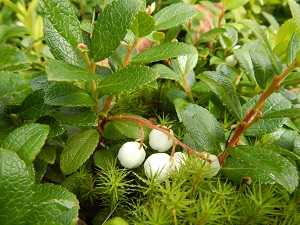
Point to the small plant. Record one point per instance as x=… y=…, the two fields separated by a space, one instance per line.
x=227 y=85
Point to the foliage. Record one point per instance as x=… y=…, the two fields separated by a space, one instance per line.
x=224 y=76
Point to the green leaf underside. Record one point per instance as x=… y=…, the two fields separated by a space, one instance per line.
x=174 y=15
x=34 y=106
x=112 y=26
x=143 y=24
x=225 y=92
x=12 y=59
x=67 y=94
x=276 y=102
x=261 y=165
x=167 y=73
x=127 y=79
x=27 y=141
x=78 y=116
x=58 y=70
x=187 y=63
x=61 y=15
x=293 y=48
x=116 y=130
x=164 y=51
x=60 y=47
x=78 y=149
x=24 y=202
x=203 y=128
x=261 y=35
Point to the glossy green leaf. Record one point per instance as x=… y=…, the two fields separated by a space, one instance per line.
x=56 y=127
x=293 y=48
x=262 y=36
x=33 y=106
x=286 y=31
x=16 y=179
x=224 y=91
x=236 y=4
x=58 y=70
x=13 y=84
x=122 y=129
x=187 y=63
x=48 y=154
x=27 y=141
x=261 y=165
x=24 y=202
x=174 y=15
x=127 y=79
x=290 y=112
x=164 y=51
x=167 y=73
x=292 y=79
x=295 y=10
x=112 y=26
x=60 y=47
x=78 y=116
x=276 y=102
x=245 y=62
x=7 y=32
x=143 y=24
x=78 y=149
x=103 y=158
x=282 y=138
x=12 y=59
x=204 y=129
x=67 y=94
x=229 y=38
x=61 y=14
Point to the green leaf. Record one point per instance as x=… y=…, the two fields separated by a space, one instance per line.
x=56 y=127
x=167 y=73
x=143 y=24
x=61 y=71
x=293 y=48
x=286 y=31
x=78 y=149
x=292 y=79
x=290 y=112
x=13 y=84
x=261 y=35
x=245 y=62
x=67 y=94
x=224 y=91
x=187 y=63
x=103 y=158
x=7 y=32
x=48 y=155
x=60 y=47
x=229 y=38
x=12 y=59
x=112 y=26
x=236 y=4
x=27 y=141
x=61 y=14
x=204 y=129
x=295 y=10
x=24 y=202
x=118 y=130
x=127 y=79
x=16 y=179
x=276 y=102
x=33 y=106
x=174 y=15
x=261 y=165
x=164 y=51
x=78 y=116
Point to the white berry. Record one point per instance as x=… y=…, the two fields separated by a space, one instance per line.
x=160 y=141
x=157 y=165
x=179 y=159
x=210 y=169
x=131 y=155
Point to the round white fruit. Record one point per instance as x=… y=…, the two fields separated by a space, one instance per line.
x=210 y=169
x=179 y=159
x=130 y=155
x=157 y=165
x=160 y=141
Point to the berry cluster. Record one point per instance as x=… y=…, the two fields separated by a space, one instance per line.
x=160 y=165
